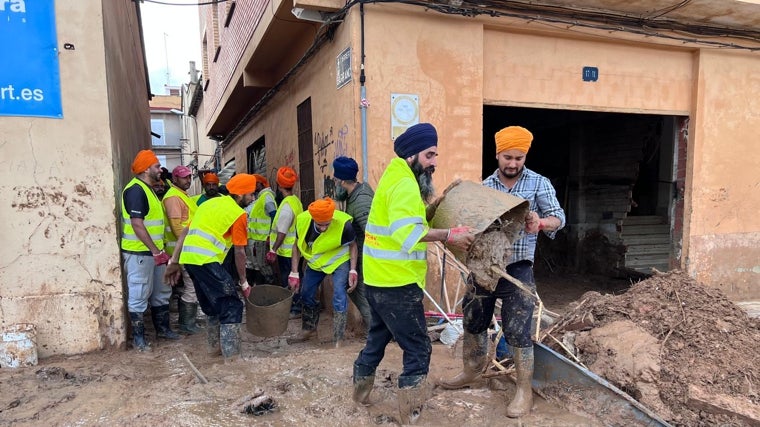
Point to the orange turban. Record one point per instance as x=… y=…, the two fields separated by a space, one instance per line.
x=210 y=178
x=260 y=179
x=286 y=177
x=241 y=183
x=513 y=137
x=143 y=160
x=322 y=210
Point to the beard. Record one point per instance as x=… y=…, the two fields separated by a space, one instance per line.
x=212 y=191
x=341 y=194
x=424 y=179
x=509 y=174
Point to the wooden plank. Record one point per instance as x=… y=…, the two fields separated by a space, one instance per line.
x=663 y=248
x=721 y=404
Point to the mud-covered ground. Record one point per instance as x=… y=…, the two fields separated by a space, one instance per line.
x=679 y=347
x=310 y=384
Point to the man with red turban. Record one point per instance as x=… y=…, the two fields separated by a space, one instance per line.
x=142 y=249
x=546 y=214
x=326 y=240
x=282 y=237
x=218 y=225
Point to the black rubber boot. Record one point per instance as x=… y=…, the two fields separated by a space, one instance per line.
x=309 y=320
x=339 y=328
x=160 y=315
x=229 y=339
x=187 y=313
x=363 y=387
x=138 y=332
x=212 y=335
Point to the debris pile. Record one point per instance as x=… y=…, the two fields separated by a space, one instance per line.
x=679 y=347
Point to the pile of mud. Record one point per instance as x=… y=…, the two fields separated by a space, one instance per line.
x=679 y=347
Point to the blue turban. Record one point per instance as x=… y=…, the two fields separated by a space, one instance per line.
x=345 y=168
x=417 y=138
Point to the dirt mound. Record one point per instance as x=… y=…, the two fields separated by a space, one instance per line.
x=679 y=347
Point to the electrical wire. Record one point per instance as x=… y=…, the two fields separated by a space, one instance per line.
x=166 y=3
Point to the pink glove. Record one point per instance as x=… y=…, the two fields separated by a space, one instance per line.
x=460 y=237
x=271 y=257
x=294 y=281
x=246 y=289
x=353 y=280
x=161 y=258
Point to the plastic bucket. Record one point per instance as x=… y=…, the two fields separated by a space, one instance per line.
x=18 y=346
x=268 y=310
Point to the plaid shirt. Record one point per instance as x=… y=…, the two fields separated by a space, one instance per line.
x=538 y=191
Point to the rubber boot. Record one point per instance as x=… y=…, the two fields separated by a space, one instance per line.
x=212 y=336
x=160 y=315
x=474 y=360
x=522 y=403
x=363 y=387
x=187 y=313
x=411 y=399
x=229 y=338
x=138 y=332
x=339 y=328
x=309 y=320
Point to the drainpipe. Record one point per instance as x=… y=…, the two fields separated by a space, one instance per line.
x=363 y=104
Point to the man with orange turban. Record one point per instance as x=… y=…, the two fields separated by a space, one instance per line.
x=260 y=215
x=218 y=225
x=282 y=237
x=546 y=214
x=210 y=184
x=325 y=238
x=142 y=249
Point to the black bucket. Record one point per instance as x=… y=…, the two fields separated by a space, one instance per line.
x=268 y=310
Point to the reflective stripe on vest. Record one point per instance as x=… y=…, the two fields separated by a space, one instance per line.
x=390 y=261
x=259 y=223
x=170 y=240
x=286 y=249
x=326 y=253
x=153 y=221
x=205 y=242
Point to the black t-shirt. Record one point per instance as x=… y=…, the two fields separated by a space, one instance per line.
x=135 y=202
x=348 y=234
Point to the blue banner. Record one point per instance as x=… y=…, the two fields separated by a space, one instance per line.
x=30 y=83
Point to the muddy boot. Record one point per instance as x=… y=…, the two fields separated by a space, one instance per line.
x=474 y=360
x=229 y=338
x=411 y=398
x=309 y=320
x=138 y=332
x=187 y=313
x=160 y=315
x=339 y=328
x=523 y=401
x=212 y=335
x=363 y=387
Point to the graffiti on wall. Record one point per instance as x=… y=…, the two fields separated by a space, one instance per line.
x=322 y=143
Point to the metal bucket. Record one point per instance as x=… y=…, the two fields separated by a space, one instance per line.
x=267 y=310
x=18 y=346
x=498 y=218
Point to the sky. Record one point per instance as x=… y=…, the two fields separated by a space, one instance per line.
x=172 y=40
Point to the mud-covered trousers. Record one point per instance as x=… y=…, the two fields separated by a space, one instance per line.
x=397 y=313
x=216 y=292
x=516 y=307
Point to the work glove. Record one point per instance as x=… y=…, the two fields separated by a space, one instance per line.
x=246 y=289
x=353 y=280
x=161 y=258
x=460 y=237
x=294 y=281
x=271 y=257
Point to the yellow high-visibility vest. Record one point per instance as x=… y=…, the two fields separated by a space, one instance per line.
x=205 y=242
x=286 y=249
x=170 y=240
x=326 y=253
x=259 y=223
x=393 y=255
x=154 y=221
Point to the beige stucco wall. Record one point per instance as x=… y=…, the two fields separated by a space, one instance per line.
x=724 y=240
x=60 y=257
